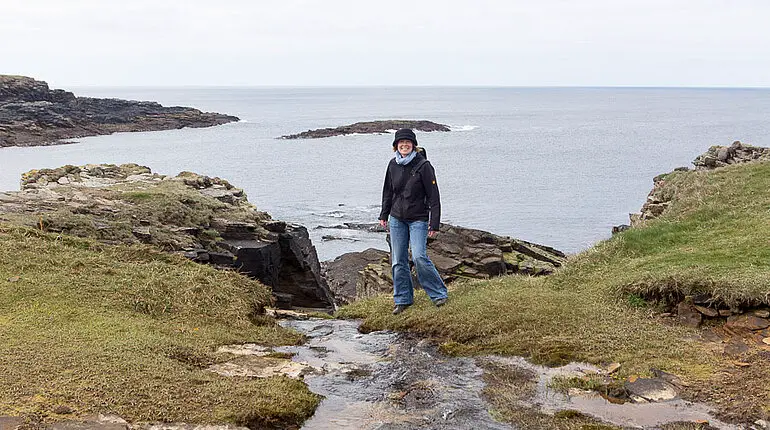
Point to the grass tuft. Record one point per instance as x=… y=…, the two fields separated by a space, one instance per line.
x=130 y=330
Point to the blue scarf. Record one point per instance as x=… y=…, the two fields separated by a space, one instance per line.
x=405 y=160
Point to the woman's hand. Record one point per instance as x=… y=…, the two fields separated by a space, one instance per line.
x=384 y=224
x=431 y=233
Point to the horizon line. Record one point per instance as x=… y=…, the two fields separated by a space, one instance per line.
x=354 y=86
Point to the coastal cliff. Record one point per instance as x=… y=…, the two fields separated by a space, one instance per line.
x=31 y=114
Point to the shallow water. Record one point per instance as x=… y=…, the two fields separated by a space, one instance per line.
x=386 y=380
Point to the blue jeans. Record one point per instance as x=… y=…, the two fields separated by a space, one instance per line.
x=415 y=234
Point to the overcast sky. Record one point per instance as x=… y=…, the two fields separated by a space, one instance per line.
x=394 y=42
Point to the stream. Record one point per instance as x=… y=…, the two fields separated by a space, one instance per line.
x=385 y=380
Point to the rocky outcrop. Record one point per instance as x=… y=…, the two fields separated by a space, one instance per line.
x=205 y=219
x=717 y=156
x=369 y=127
x=457 y=253
x=31 y=114
x=720 y=156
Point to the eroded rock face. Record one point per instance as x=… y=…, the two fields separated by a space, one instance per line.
x=369 y=127
x=458 y=252
x=31 y=114
x=206 y=219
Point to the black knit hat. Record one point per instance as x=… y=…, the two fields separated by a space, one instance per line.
x=405 y=133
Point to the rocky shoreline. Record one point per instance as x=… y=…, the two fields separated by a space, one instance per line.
x=31 y=114
x=369 y=127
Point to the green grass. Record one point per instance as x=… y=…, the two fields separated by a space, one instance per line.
x=129 y=330
x=713 y=239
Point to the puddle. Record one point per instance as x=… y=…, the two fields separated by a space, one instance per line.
x=634 y=415
x=385 y=380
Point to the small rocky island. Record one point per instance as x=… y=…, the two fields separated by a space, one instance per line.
x=31 y=114
x=369 y=127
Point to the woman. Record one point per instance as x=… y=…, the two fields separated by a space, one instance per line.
x=411 y=210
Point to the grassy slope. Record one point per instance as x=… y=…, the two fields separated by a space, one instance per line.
x=128 y=330
x=713 y=239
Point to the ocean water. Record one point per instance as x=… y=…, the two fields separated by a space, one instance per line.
x=557 y=166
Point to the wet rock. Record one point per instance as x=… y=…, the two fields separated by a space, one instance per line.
x=321 y=330
x=747 y=322
x=300 y=273
x=687 y=314
x=369 y=127
x=651 y=390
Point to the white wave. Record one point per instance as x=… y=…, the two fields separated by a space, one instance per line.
x=331 y=214
x=463 y=127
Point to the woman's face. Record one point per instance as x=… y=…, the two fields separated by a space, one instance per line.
x=404 y=147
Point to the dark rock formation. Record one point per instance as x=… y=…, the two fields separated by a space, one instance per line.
x=31 y=114
x=205 y=219
x=369 y=127
x=457 y=253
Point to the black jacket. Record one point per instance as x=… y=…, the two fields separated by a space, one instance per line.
x=411 y=194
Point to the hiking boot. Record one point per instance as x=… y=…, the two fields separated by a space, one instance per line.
x=399 y=308
x=440 y=302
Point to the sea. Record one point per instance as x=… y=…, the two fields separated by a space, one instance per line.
x=555 y=166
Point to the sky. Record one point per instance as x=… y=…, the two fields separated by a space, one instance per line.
x=693 y=43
